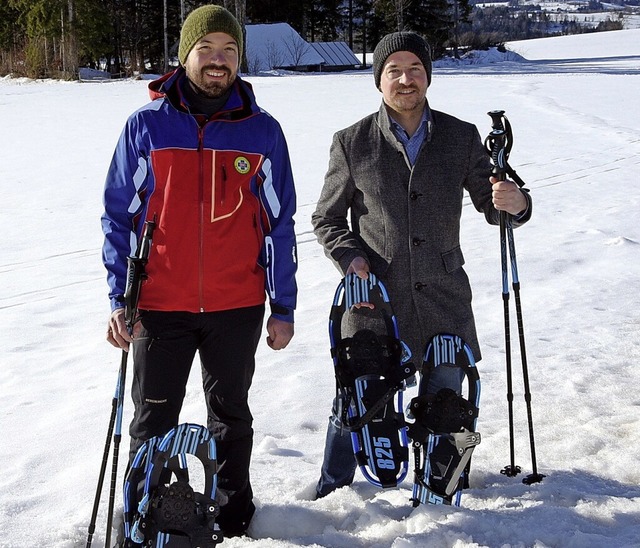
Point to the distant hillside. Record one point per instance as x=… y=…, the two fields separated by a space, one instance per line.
x=623 y=43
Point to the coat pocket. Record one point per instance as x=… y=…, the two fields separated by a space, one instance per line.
x=453 y=259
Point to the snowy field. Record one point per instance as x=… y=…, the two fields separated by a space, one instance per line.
x=576 y=119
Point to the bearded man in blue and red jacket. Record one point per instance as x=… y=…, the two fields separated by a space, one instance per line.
x=213 y=169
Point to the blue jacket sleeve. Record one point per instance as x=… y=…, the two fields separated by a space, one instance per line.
x=126 y=178
x=279 y=256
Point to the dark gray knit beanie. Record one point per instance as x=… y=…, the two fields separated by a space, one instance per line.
x=202 y=21
x=401 y=41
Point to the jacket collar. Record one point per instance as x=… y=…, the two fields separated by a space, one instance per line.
x=241 y=103
x=385 y=124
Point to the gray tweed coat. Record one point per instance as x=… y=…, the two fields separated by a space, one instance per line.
x=406 y=222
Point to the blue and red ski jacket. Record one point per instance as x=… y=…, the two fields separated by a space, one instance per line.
x=222 y=193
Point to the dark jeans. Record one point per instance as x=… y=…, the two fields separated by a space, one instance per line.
x=163 y=354
x=339 y=465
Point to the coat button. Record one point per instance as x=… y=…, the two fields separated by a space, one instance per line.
x=414 y=195
x=417 y=241
x=419 y=286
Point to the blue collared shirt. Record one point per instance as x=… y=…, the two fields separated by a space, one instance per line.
x=412 y=144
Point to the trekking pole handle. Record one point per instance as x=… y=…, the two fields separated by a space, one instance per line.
x=147 y=238
x=136 y=272
x=501 y=135
x=497 y=139
x=497 y=119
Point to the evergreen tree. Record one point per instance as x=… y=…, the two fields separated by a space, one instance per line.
x=278 y=11
x=323 y=18
x=12 y=37
x=432 y=19
x=41 y=19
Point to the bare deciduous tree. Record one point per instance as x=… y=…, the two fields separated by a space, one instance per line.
x=274 y=54
x=296 y=48
x=239 y=9
x=401 y=6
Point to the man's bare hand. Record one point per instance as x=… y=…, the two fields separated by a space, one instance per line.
x=279 y=333
x=117 y=333
x=507 y=196
x=360 y=267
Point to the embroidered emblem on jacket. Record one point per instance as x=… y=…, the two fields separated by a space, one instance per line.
x=242 y=165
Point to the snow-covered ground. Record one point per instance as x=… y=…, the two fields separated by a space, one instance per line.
x=576 y=120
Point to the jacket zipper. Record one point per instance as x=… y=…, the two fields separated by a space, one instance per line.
x=201 y=220
x=223 y=185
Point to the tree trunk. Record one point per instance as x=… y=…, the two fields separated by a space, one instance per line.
x=68 y=47
x=239 y=9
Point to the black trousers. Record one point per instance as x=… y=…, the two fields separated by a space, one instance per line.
x=162 y=357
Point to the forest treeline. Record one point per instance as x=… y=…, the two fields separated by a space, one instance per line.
x=54 y=38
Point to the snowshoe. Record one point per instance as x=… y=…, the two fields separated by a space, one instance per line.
x=371 y=372
x=443 y=432
x=159 y=513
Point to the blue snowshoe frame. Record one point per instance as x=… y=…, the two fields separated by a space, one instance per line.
x=152 y=466
x=445 y=350
x=372 y=407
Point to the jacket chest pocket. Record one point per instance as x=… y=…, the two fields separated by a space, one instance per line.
x=230 y=182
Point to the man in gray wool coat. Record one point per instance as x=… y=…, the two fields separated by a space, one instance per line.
x=391 y=205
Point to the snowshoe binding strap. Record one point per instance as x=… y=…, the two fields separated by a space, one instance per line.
x=441 y=412
x=367 y=353
x=186 y=515
x=449 y=419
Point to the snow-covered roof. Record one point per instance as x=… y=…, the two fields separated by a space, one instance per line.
x=337 y=54
x=278 y=45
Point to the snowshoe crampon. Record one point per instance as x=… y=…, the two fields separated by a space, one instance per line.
x=371 y=371
x=159 y=513
x=443 y=432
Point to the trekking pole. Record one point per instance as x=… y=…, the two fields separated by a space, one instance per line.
x=499 y=145
x=496 y=146
x=103 y=467
x=119 y=399
x=534 y=477
x=135 y=276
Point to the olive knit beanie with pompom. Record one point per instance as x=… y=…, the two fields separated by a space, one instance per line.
x=202 y=21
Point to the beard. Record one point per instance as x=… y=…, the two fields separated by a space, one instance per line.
x=208 y=88
x=406 y=103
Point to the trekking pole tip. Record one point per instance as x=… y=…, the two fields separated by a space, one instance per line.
x=533 y=478
x=511 y=470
